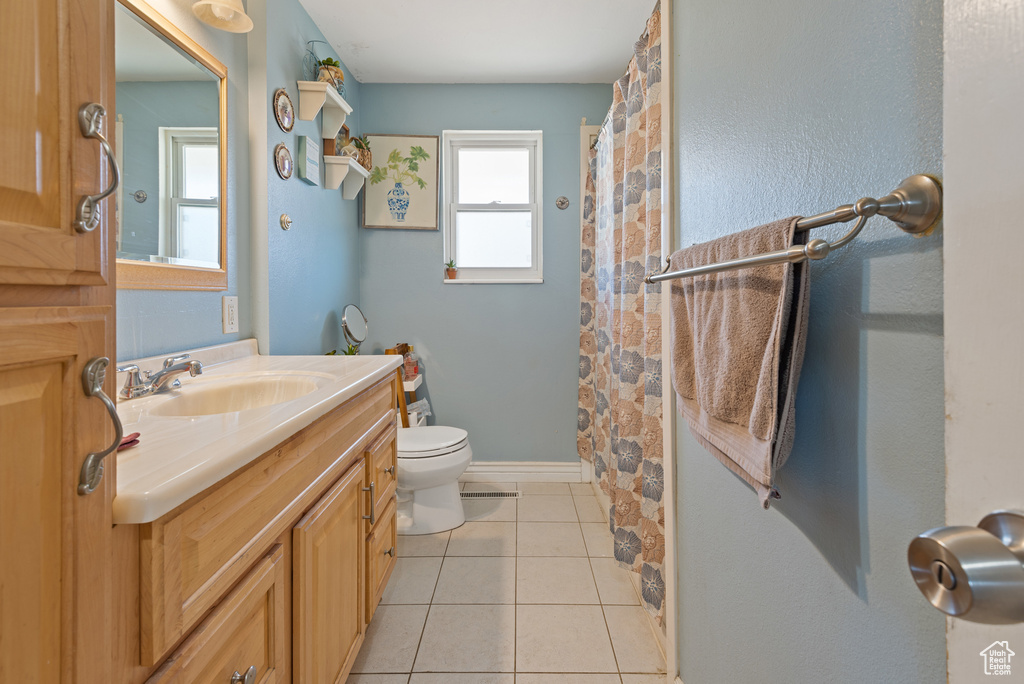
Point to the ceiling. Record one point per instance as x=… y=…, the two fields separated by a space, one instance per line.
x=141 y=55
x=482 y=41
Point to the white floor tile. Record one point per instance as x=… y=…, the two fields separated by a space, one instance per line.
x=488 y=580
x=634 y=644
x=613 y=582
x=588 y=509
x=545 y=488
x=600 y=543
x=562 y=639
x=643 y=679
x=555 y=580
x=423 y=544
x=462 y=678
x=391 y=639
x=493 y=510
x=468 y=639
x=483 y=539
x=490 y=487
x=536 y=508
x=413 y=580
x=581 y=489
x=377 y=679
x=550 y=539
x=568 y=678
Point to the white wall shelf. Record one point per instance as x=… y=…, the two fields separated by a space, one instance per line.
x=411 y=385
x=346 y=173
x=317 y=95
x=354 y=181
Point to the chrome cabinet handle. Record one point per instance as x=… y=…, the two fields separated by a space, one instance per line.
x=90 y=116
x=373 y=503
x=390 y=470
x=390 y=552
x=93 y=374
x=248 y=678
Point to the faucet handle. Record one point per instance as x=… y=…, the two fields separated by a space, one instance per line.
x=133 y=384
x=171 y=360
x=195 y=367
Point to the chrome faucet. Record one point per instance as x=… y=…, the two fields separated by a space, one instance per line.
x=163 y=380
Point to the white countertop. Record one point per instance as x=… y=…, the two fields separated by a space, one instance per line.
x=179 y=457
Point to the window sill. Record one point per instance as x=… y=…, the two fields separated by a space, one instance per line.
x=491 y=281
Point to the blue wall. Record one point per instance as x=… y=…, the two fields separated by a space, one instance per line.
x=795 y=107
x=500 y=360
x=155 y=321
x=145 y=107
x=314 y=267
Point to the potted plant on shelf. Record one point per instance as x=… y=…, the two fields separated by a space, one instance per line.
x=329 y=71
x=450 y=271
x=364 y=156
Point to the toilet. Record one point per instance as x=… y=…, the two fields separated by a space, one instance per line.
x=430 y=461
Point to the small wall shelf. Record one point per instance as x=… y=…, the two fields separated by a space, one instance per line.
x=346 y=173
x=411 y=385
x=317 y=95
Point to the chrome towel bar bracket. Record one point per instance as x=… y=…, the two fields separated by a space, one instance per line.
x=915 y=206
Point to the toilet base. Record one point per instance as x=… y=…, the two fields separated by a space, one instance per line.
x=431 y=510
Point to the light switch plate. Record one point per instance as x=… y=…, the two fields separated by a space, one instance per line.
x=229 y=314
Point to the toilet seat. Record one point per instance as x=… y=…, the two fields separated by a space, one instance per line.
x=433 y=440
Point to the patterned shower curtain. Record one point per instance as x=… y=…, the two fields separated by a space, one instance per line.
x=620 y=417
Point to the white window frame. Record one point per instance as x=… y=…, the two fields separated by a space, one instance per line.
x=172 y=183
x=452 y=142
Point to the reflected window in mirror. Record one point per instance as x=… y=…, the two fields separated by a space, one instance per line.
x=170 y=140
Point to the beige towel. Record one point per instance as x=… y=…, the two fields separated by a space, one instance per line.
x=737 y=346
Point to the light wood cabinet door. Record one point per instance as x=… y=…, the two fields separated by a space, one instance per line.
x=57 y=55
x=328 y=548
x=381 y=550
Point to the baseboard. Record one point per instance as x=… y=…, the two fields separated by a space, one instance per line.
x=524 y=471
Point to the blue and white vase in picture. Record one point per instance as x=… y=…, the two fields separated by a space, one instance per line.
x=398 y=202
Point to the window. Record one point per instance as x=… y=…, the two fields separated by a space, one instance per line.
x=189 y=204
x=492 y=200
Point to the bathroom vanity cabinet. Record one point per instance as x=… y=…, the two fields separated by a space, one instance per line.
x=278 y=567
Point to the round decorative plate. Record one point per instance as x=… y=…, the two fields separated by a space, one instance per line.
x=283 y=161
x=284 y=111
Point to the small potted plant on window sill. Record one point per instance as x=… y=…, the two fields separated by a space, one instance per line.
x=451 y=273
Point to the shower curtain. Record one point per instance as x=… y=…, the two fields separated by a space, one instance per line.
x=620 y=416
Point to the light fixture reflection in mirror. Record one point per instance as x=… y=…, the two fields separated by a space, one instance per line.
x=170 y=130
x=354 y=324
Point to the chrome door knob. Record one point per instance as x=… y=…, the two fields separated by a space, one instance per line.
x=248 y=678
x=973 y=573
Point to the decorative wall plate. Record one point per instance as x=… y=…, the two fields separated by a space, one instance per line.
x=283 y=161
x=284 y=111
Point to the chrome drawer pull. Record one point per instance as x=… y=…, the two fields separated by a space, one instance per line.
x=90 y=116
x=93 y=374
x=390 y=470
x=248 y=678
x=373 y=503
x=390 y=552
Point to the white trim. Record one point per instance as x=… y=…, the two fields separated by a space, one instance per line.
x=522 y=471
x=533 y=141
x=494 y=281
x=668 y=403
x=259 y=158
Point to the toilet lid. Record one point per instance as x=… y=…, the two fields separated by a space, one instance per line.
x=432 y=440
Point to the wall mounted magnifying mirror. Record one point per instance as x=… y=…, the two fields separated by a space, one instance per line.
x=354 y=324
x=170 y=133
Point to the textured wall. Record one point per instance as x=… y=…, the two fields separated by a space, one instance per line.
x=795 y=107
x=501 y=360
x=155 y=321
x=313 y=269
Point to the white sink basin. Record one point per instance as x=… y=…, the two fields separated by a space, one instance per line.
x=230 y=394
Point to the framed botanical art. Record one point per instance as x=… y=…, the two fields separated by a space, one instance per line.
x=402 y=189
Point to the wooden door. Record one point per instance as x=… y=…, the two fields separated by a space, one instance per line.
x=328 y=579
x=56 y=313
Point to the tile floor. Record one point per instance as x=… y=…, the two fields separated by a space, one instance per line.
x=526 y=592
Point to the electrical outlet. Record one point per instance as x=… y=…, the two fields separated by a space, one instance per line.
x=229 y=314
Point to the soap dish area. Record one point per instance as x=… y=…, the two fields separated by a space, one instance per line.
x=346 y=173
x=317 y=95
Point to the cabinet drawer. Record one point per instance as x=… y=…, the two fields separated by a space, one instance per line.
x=381 y=470
x=248 y=629
x=382 y=547
x=194 y=554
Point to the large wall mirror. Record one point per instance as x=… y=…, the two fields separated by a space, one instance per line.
x=170 y=133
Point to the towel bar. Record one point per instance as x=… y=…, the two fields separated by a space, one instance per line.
x=915 y=206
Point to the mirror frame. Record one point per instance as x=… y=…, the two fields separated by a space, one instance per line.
x=143 y=275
